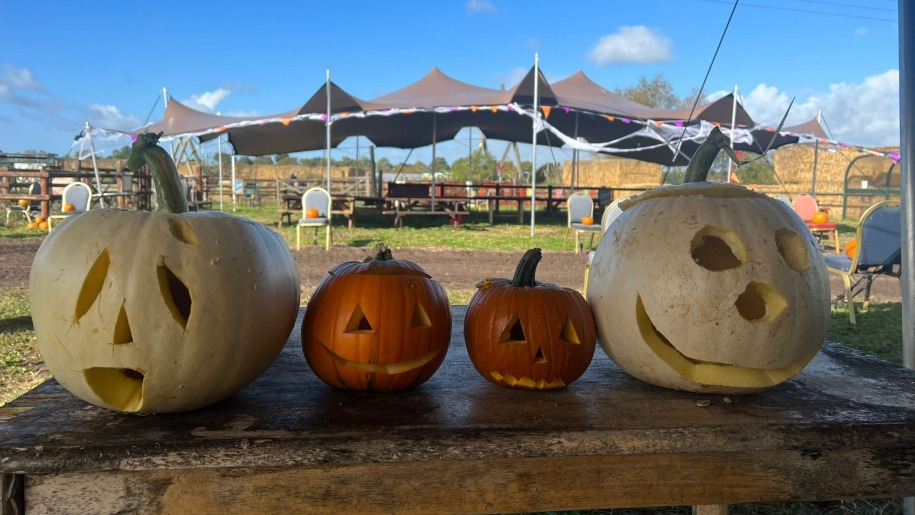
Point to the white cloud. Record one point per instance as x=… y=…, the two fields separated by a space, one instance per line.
x=865 y=113
x=110 y=117
x=207 y=101
x=20 y=78
x=479 y=7
x=637 y=44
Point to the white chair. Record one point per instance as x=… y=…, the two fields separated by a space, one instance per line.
x=318 y=199
x=579 y=206
x=32 y=209
x=77 y=194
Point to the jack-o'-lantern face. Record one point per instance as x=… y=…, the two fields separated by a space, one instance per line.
x=710 y=288
x=377 y=326
x=143 y=312
x=537 y=336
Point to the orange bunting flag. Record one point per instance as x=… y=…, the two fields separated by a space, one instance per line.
x=718 y=124
x=658 y=124
x=608 y=117
x=546 y=111
x=474 y=108
x=408 y=111
x=734 y=179
x=285 y=121
x=494 y=109
x=344 y=115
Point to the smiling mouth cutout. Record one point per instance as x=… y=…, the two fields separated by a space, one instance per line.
x=527 y=382
x=707 y=372
x=383 y=368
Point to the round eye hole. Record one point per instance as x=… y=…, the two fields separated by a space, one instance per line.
x=717 y=249
x=793 y=250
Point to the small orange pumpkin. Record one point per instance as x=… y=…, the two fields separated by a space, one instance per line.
x=851 y=248
x=381 y=325
x=69 y=207
x=32 y=225
x=42 y=225
x=587 y=220
x=40 y=219
x=820 y=217
x=521 y=333
x=23 y=203
x=311 y=213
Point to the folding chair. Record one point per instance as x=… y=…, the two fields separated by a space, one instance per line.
x=317 y=199
x=579 y=206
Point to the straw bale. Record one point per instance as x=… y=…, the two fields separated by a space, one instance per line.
x=613 y=173
x=794 y=167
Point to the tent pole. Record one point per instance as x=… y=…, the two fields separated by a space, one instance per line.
x=327 y=125
x=573 y=180
x=907 y=158
x=232 y=187
x=219 y=153
x=534 y=142
x=98 y=181
x=432 y=165
x=816 y=152
x=733 y=129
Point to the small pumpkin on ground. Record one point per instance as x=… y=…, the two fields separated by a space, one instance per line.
x=709 y=287
x=380 y=325
x=526 y=334
x=166 y=311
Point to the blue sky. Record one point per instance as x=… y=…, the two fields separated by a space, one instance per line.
x=106 y=62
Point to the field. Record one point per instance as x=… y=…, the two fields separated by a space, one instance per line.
x=459 y=258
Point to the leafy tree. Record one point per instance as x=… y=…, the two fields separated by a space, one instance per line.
x=121 y=153
x=286 y=159
x=263 y=160
x=479 y=166
x=655 y=92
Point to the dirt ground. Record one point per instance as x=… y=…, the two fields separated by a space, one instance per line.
x=456 y=269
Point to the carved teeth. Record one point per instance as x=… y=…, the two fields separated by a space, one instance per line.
x=527 y=382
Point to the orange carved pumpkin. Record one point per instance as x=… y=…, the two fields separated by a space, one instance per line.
x=820 y=217
x=380 y=325
x=525 y=334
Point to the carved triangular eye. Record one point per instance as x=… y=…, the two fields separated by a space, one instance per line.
x=122 y=332
x=568 y=333
x=420 y=318
x=513 y=333
x=539 y=357
x=358 y=323
x=92 y=284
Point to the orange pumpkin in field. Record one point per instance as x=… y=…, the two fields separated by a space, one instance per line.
x=32 y=225
x=587 y=220
x=40 y=219
x=23 y=203
x=851 y=248
x=69 y=207
x=311 y=213
x=820 y=217
x=43 y=225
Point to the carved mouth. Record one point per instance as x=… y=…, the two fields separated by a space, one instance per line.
x=527 y=382
x=384 y=368
x=707 y=372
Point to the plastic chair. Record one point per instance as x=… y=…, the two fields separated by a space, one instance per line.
x=319 y=199
x=579 y=206
x=879 y=252
x=79 y=195
x=33 y=209
x=806 y=206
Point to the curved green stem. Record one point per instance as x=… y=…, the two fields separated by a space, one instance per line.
x=705 y=155
x=146 y=150
x=526 y=269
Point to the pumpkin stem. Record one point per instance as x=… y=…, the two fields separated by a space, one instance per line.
x=146 y=150
x=380 y=253
x=705 y=155
x=527 y=267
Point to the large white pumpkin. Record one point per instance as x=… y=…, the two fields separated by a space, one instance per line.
x=709 y=288
x=148 y=312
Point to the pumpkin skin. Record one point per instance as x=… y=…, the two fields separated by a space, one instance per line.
x=153 y=312
x=686 y=295
x=538 y=337
x=820 y=217
x=381 y=325
x=587 y=220
x=311 y=213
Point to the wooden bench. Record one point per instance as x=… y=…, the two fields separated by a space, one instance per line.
x=415 y=199
x=842 y=429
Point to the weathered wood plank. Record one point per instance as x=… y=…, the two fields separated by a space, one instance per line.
x=11 y=495
x=843 y=428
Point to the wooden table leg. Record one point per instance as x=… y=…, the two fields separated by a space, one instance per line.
x=12 y=494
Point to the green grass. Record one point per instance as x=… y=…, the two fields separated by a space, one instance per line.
x=878 y=332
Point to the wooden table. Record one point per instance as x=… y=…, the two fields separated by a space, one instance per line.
x=844 y=428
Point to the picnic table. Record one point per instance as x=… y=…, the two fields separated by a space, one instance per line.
x=844 y=428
